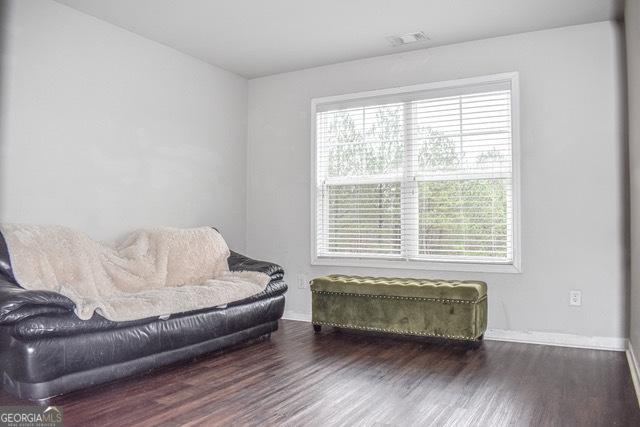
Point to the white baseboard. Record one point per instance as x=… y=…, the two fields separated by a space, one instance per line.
x=542 y=338
x=301 y=317
x=556 y=339
x=634 y=367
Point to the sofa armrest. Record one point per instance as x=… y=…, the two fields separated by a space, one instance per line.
x=239 y=262
x=17 y=303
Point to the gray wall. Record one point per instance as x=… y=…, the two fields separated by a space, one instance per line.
x=573 y=191
x=105 y=131
x=632 y=27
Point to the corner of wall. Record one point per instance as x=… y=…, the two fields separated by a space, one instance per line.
x=634 y=368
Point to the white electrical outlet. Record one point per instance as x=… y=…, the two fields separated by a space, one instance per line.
x=302 y=281
x=575 y=298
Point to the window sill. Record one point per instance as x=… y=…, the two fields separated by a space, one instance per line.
x=477 y=267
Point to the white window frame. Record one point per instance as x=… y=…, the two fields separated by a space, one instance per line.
x=489 y=266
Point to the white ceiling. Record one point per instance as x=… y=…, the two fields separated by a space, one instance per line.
x=261 y=37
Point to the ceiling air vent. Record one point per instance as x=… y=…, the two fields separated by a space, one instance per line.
x=407 y=39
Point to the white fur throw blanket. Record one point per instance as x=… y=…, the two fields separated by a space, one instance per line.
x=150 y=273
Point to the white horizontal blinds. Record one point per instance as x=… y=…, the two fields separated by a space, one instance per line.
x=359 y=164
x=423 y=175
x=463 y=164
x=363 y=219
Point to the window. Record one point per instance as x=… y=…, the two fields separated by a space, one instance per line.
x=420 y=176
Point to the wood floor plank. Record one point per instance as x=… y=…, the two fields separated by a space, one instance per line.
x=299 y=378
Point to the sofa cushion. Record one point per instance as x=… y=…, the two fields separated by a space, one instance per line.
x=401 y=287
x=67 y=323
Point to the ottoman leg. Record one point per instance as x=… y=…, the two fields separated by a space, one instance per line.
x=317 y=328
x=477 y=343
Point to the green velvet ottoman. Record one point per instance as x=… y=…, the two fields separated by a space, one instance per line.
x=435 y=308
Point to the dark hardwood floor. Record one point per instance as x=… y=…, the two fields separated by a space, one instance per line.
x=297 y=378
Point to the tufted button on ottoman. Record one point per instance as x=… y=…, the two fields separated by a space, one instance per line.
x=437 y=308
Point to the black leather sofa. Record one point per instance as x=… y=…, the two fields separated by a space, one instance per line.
x=45 y=350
